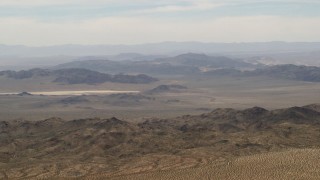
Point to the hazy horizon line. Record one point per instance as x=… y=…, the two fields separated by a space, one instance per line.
x=159 y=42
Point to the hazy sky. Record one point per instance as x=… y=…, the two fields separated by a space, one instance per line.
x=50 y=22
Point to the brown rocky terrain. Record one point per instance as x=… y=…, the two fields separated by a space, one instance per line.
x=113 y=148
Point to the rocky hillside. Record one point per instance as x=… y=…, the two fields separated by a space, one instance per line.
x=78 y=76
x=112 y=147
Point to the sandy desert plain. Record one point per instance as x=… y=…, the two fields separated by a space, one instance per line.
x=203 y=94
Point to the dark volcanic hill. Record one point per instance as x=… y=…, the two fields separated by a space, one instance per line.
x=289 y=71
x=286 y=71
x=111 y=147
x=78 y=76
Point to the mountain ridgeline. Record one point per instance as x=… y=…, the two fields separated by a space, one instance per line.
x=160 y=48
x=289 y=71
x=190 y=63
x=78 y=76
x=286 y=71
x=200 y=64
x=97 y=71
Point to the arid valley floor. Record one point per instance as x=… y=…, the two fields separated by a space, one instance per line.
x=226 y=124
x=200 y=95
